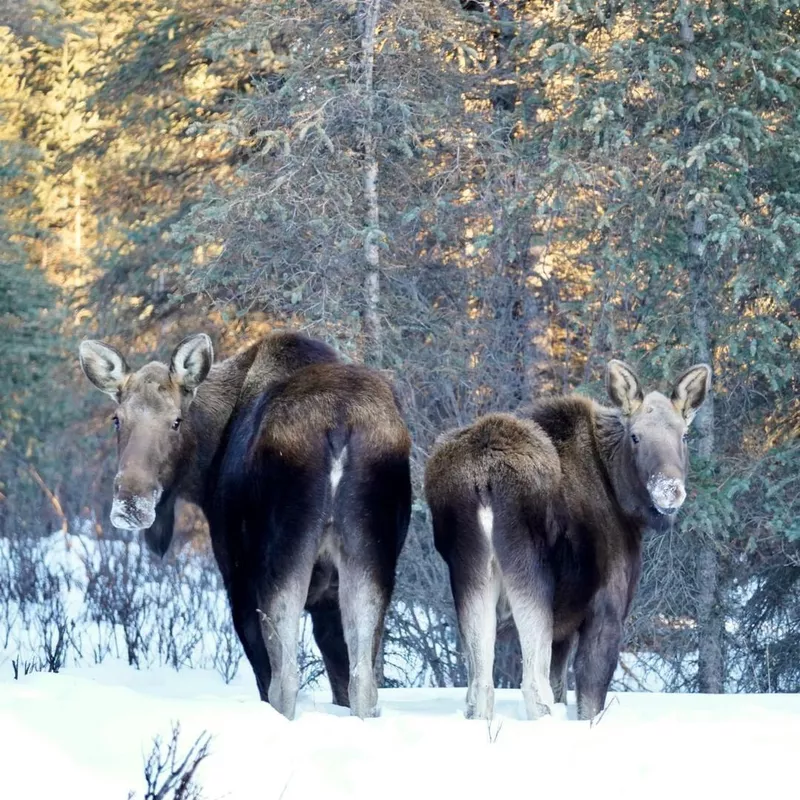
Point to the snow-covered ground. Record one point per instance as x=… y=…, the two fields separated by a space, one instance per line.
x=83 y=733
x=140 y=646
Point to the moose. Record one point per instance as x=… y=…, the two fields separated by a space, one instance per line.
x=300 y=462
x=540 y=516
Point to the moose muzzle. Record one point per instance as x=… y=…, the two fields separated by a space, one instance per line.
x=667 y=493
x=135 y=501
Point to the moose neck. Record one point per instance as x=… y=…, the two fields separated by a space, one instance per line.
x=208 y=416
x=612 y=441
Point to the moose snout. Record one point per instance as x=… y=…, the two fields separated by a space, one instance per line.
x=667 y=493
x=135 y=501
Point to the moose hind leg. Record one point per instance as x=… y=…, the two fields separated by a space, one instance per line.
x=476 y=605
x=531 y=606
x=281 y=609
x=363 y=602
x=372 y=511
x=520 y=543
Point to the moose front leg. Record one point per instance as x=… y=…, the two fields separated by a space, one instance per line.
x=559 y=665
x=326 y=619
x=597 y=655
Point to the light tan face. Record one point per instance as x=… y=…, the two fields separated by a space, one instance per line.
x=657 y=434
x=656 y=430
x=151 y=405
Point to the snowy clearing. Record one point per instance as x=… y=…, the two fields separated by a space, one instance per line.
x=95 y=610
x=83 y=733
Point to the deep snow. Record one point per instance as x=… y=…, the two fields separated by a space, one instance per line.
x=83 y=733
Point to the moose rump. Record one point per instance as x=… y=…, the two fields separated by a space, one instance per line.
x=313 y=492
x=492 y=489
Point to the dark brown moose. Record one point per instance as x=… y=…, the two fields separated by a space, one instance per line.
x=301 y=465
x=540 y=518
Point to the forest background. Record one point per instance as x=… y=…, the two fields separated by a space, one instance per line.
x=490 y=199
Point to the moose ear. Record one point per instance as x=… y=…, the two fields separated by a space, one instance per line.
x=191 y=361
x=691 y=390
x=104 y=366
x=623 y=386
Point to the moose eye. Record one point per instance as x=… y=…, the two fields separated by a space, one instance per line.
x=634 y=438
x=115 y=420
x=176 y=424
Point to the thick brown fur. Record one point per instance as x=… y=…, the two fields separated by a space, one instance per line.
x=301 y=465
x=540 y=516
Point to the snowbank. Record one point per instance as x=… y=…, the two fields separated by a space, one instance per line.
x=83 y=733
x=140 y=645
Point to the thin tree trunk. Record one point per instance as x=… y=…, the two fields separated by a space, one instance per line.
x=710 y=619
x=527 y=328
x=368 y=13
x=78 y=213
x=710 y=616
x=505 y=88
x=373 y=343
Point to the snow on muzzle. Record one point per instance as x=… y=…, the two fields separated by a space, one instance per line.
x=666 y=493
x=135 y=511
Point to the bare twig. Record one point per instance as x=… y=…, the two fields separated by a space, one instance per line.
x=169 y=777
x=597 y=719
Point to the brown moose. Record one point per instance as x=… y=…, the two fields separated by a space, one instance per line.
x=301 y=465
x=540 y=518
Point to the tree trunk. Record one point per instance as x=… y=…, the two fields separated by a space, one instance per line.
x=710 y=618
x=525 y=332
x=373 y=344
x=78 y=213
x=505 y=87
x=369 y=12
